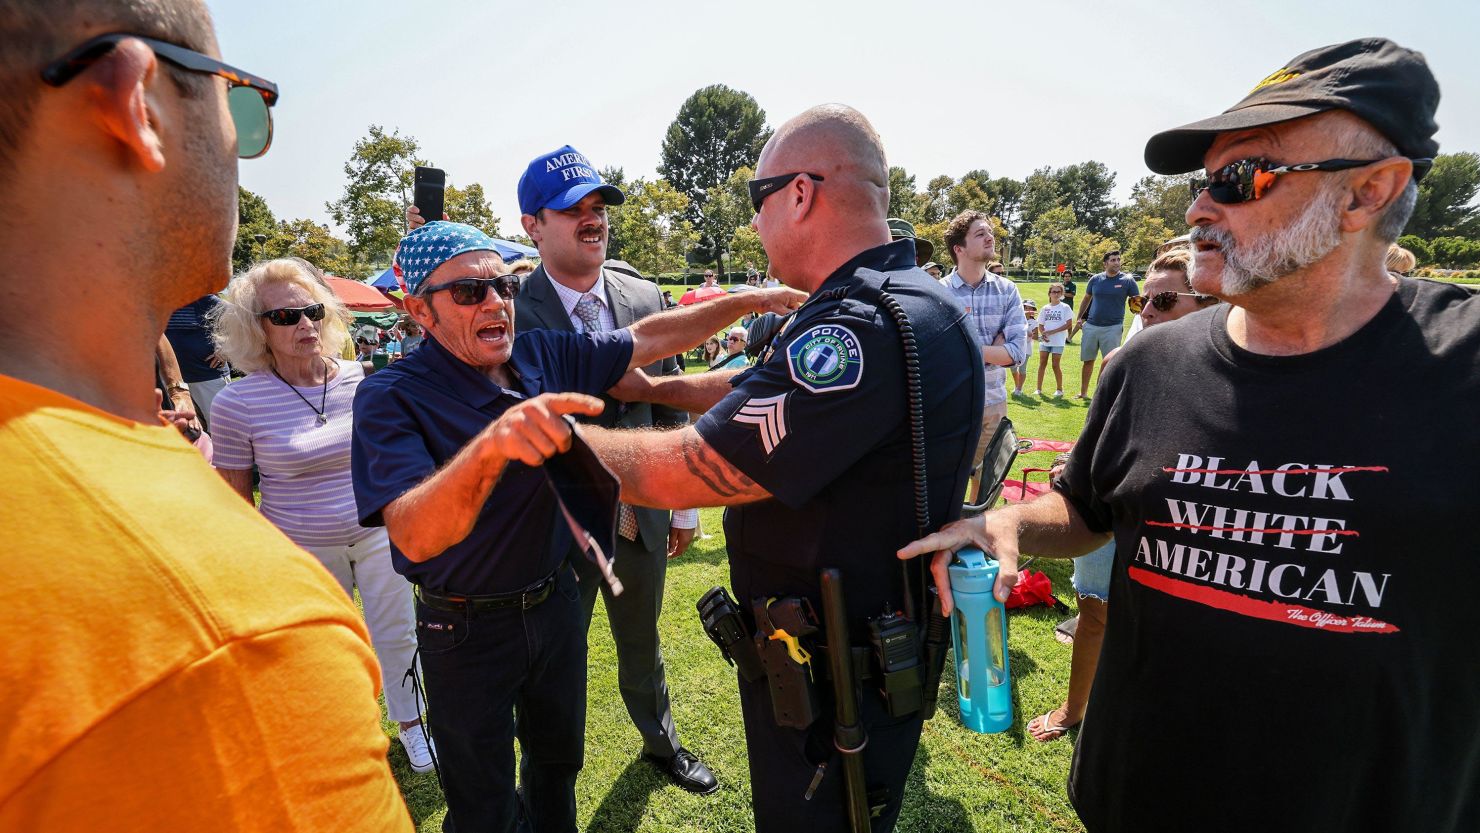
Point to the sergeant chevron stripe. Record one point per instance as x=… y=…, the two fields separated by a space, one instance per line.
x=769 y=415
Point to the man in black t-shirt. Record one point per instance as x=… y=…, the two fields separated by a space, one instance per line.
x=1276 y=657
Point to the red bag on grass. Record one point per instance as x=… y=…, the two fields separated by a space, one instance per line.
x=1032 y=588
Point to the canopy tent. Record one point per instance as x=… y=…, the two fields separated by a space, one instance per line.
x=359 y=297
x=386 y=280
x=378 y=320
x=702 y=293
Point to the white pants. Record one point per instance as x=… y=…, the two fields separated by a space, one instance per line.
x=204 y=393
x=390 y=613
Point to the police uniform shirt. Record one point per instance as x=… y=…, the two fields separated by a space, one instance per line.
x=822 y=424
x=418 y=413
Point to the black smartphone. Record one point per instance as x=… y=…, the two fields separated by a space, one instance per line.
x=429 y=186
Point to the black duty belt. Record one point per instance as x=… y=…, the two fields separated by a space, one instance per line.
x=526 y=598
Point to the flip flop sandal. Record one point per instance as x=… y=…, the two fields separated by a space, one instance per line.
x=1047 y=727
x=1066 y=630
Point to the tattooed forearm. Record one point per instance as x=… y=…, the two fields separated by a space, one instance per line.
x=701 y=464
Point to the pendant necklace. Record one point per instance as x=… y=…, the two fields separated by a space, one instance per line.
x=320 y=413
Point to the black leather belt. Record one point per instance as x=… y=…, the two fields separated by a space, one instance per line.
x=526 y=598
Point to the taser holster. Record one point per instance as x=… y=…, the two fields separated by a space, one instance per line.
x=780 y=625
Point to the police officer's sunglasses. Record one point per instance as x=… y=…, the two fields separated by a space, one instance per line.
x=247 y=97
x=469 y=291
x=1163 y=301
x=1249 y=179
x=762 y=188
x=290 y=316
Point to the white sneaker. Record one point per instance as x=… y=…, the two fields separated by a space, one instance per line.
x=418 y=748
x=1038 y=392
x=1058 y=394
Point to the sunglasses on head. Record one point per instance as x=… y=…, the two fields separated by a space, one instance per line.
x=762 y=188
x=469 y=291
x=247 y=96
x=1249 y=179
x=290 y=316
x=1163 y=301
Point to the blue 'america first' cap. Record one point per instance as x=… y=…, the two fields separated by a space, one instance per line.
x=560 y=179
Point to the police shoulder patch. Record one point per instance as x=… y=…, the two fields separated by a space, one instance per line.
x=825 y=358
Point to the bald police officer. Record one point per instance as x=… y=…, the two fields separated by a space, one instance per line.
x=810 y=448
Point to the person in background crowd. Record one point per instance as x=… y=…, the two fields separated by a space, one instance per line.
x=523 y=267
x=1103 y=315
x=994 y=312
x=1278 y=532
x=709 y=279
x=734 y=356
x=1053 y=331
x=996 y=268
x=770 y=282
x=933 y=270
x=1168 y=296
x=1030 y=313
x=290 y=418
x=752 y=275
x=712 y=350
x=1400 y=260
x=411 y=334
x=905 y=230
x=174 y=662
x=202 y=371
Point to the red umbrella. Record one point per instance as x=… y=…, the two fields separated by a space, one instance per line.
x=357 y=296
x=702 y=293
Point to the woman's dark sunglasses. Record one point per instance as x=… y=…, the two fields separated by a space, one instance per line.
x=1250 y=179
x=1163 y=301
x=248 y=97
x=469 y=291
x=762 y=188
x=290 y=316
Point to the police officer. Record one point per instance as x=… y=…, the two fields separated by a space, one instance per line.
x=811 y=447
x=446 y=454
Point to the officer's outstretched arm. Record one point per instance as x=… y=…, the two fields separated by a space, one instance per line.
x=691 y=392
x=676 y=330
x=671 y=469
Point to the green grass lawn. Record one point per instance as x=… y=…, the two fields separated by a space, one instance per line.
x=961 y=780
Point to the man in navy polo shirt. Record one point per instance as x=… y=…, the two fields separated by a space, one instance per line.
x=447 y=448
x=1103 y=314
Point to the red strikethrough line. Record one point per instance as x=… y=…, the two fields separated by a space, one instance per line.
x=1250 y=529
x=1332 y=470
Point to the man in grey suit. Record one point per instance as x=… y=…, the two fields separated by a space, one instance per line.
x=563 y=201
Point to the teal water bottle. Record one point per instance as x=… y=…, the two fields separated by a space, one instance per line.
x=979 y=635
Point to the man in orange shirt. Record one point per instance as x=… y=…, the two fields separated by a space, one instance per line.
x=174 y=662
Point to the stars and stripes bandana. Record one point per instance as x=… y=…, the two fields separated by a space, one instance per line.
x=432 y=245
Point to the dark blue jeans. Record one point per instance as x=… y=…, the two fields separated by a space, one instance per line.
x=494 y=675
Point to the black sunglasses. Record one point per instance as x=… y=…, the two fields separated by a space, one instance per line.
x=1163 y=301
x=290 y=316
x=762 y=188
x=1250 y=179
x=469 y=291
x=248 y=97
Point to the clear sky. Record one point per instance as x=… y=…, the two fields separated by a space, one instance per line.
x=951 y=86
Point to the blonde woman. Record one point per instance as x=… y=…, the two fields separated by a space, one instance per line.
x=291 y=418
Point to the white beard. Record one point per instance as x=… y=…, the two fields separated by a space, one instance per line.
x=1260 y=262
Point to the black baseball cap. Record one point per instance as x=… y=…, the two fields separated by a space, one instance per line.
x=1380 y=82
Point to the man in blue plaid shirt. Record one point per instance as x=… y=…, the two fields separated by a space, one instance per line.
x=995 y=308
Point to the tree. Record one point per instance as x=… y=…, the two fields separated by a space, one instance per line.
x=253 y=218
x=1141 y=235
x=967 y=195
x=1007 y=200
x=933 y=206
x=1058 y=238
x=1164 y=197
x=1086 y=188
x=317 y=245
x=1446 y=198
x=904 y=203
x=469 y=205
x=717 y=131
x=652 y=227
x=745 y=247
x=372 y=208
x=726 y=208
x=1040 y=194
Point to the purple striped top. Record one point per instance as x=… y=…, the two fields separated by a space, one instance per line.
x=306 y=489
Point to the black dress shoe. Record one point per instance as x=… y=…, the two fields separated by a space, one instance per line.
x=687 y=771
